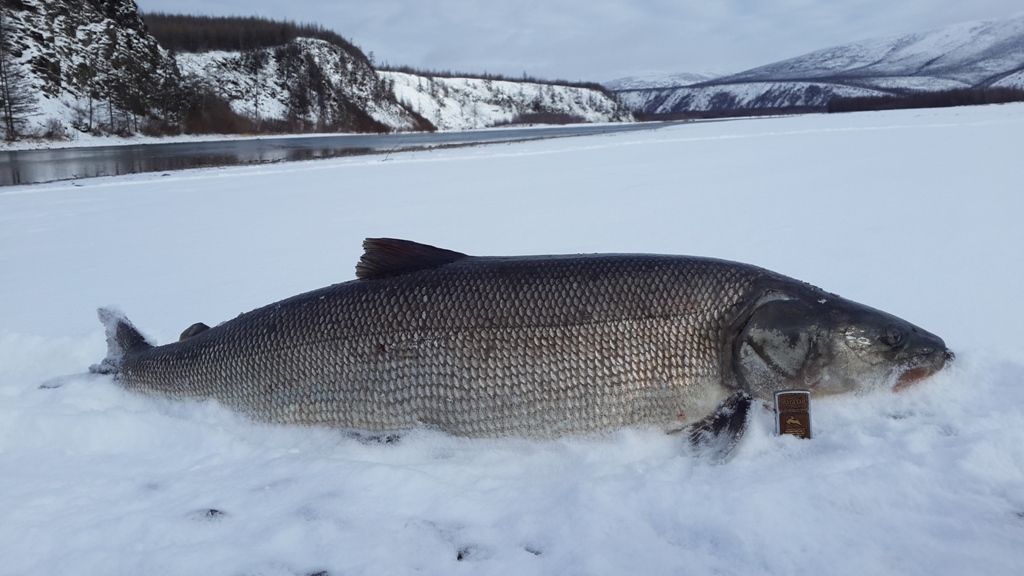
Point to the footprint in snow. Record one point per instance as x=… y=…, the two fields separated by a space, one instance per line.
x=209 y=515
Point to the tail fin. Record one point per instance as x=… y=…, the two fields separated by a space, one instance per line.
x=122 y=339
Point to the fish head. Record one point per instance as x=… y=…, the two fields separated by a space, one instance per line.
x=809 y=339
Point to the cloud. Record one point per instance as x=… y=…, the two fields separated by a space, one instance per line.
x=601 y=39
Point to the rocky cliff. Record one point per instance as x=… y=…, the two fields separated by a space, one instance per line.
x=305 y=84
x=90 y=63
x=458 y=103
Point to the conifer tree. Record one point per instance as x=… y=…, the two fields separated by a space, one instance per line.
x=17 y=101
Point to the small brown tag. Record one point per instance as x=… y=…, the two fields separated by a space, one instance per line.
x=793 y=413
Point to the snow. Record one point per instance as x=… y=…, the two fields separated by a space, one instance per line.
x=1015 y=80
x=915 y=212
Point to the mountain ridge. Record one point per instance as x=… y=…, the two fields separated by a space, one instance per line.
x=975 y=54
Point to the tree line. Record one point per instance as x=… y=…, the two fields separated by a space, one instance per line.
x=188 y=33
x=941 y=99
x=496 y=77
x=17 y=101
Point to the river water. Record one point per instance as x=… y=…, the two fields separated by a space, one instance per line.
x=34 y=166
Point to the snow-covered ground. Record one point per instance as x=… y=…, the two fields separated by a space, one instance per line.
x=915 y=212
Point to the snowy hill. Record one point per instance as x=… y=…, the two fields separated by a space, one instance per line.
x=463 y=103
x=307 y=82
x=657 y=80
x=261 y=85
x=94 y=67
x=971 y=54
x=739 y=96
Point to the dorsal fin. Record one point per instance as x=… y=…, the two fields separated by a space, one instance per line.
x=385 y=257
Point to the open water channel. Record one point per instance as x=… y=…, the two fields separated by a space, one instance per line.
x=34 y=166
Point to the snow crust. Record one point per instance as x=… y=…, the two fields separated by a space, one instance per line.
x=915 y=212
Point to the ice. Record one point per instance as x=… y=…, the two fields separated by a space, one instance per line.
x=915 y=212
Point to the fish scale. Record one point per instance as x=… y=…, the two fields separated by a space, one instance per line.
x=532 y=346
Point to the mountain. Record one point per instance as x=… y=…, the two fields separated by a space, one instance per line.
x=744 y=96
x=977 y=54
x=658 y=80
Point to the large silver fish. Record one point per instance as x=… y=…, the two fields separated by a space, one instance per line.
x=533 y=346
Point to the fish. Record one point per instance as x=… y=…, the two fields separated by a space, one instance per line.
x=532 y=346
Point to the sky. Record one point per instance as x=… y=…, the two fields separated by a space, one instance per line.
x=601 y=39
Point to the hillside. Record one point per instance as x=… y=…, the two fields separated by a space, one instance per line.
x=194 y=33
x=968 y=55
x=305 y=84
x=89 y=65
x=94 y=67
x=458 y=103
x=657 y=80
x=971 y=53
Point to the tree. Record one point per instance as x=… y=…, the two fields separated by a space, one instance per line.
x=253 y=61
x=17 y=99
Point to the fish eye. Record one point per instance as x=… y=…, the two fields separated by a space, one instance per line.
x=892 y=337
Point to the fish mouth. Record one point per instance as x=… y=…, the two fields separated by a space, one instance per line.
x=926 y=367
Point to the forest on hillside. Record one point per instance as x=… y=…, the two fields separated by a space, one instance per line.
x=429 y=73
x=939 y=99
x=190 y=33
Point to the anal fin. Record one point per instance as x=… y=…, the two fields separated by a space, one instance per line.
x=717 y=435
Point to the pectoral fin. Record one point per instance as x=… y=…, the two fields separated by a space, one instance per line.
x=717 y=435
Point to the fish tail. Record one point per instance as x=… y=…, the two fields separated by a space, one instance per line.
x=122 y=339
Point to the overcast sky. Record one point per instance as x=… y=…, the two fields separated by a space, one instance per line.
x=601 y=39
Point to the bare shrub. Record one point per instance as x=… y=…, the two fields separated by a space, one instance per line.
x=54 y=130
